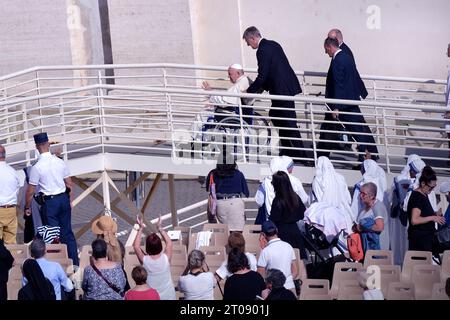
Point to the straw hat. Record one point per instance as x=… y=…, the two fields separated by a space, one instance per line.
x=103 y=225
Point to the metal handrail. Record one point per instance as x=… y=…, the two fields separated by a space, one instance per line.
x=197 y=92
x=202 y=67
x=113 y=116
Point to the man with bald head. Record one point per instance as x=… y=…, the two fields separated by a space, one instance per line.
x=337 y=34
x=342 y=83
x=9 y=188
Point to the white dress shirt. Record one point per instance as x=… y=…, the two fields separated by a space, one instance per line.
x=335 y=54
x=9 y=185
x=49 y=174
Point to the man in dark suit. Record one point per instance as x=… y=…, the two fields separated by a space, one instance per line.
x=342 y=83
x=276 y=76
x=337 y=34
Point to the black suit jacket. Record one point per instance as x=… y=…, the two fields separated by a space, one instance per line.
x=362 y=87
x=342 y=81
x=275 y=74
x=6 y=262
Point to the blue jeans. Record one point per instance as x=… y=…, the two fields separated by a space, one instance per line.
x=58 y=213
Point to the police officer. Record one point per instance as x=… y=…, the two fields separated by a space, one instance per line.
x=9 y=187
x=51 y=175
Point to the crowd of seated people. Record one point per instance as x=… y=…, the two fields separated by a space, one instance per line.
x=376 y=215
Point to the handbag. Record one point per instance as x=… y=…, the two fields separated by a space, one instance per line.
x=211 y=208
x=443 y=238
x=354 y=245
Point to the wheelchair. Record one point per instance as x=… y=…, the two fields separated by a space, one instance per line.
x=223 y=130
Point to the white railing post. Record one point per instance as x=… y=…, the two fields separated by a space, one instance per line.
x=4 y=98
x=304 y=85
x=25 y=134
x=101 y=112
x=169 y=113
x=62 y=120
x=38 y=89
x=311 y=113
x=4 y=92
x=374 y=90
x=388 y=169
x=241 y=123
x=106 y=196
x=377 y=122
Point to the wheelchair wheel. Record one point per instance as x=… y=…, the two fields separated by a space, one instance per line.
x=262 y=128
x=226 y=135
x=228 y=131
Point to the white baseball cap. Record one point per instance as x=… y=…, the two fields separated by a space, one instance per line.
x=445 y=187
x=236 y=66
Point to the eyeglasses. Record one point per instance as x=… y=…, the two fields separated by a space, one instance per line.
x=431 y=187
x=363 y=194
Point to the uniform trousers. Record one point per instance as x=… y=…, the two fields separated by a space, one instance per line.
x=57 y=212
x=8 y=225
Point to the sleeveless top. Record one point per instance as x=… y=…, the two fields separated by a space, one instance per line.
x=159 y=276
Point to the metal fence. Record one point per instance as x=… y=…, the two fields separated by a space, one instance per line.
x=161 y=109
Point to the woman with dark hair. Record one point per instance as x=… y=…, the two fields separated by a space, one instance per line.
x=157 y=261
x=421 y=214
x=38 y=287
x=287 y=209
x=106 y=228
x=230 y=188
x=244 y=284
x=195 y=282
x=103 y=279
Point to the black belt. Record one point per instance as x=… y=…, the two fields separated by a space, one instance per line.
x=6 y=206
x=228 y=196
x=54 y=196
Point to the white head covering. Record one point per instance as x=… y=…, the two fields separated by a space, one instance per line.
x=418 y=165
x=236 y=66
x=404 y=178
x=330 y=186
x=287 y=162
x=411 y=158
x=278 y=164
x=372 y=173
x=281 y=163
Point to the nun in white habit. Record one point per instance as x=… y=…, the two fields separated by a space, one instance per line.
x=265 y=194
x=398 y=221
x=329 y=186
